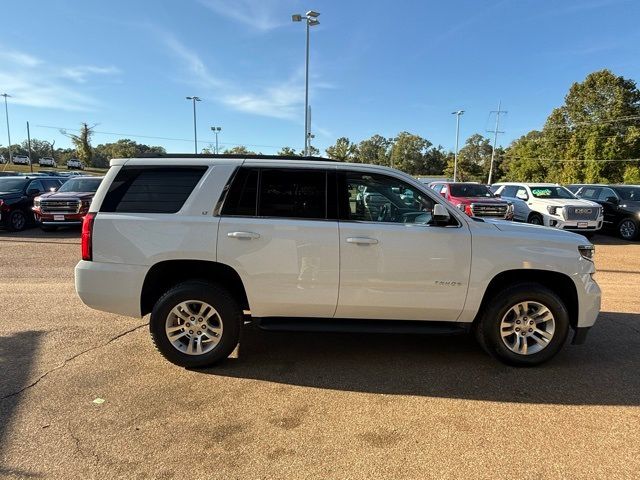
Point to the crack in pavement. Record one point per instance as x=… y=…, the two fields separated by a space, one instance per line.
x=73 y=357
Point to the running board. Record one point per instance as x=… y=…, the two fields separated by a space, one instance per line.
x=350 y=325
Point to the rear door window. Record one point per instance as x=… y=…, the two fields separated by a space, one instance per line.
x=151 y=189
x=242 y=199
x=293 y=193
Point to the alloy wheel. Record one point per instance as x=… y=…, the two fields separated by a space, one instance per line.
x=627 y=229
x=527 y=327
x=194 y=327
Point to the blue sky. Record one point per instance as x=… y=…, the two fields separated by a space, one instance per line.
x=376 y=67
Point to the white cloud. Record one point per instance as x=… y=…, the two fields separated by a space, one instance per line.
x=262 y=15
x=36 y=83
x=282 y=100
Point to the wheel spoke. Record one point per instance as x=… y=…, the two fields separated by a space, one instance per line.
x=177 y=336
x=180 y=313
x=175 y=329
x=192 y=342
x=546 y=335
x=542 y=341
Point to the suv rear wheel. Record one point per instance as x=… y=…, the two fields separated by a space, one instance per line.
x=524 y=325
x=17 y=221
x=196 y=324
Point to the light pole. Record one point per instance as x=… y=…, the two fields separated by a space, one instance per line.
x=311 y=19
x=195 y=132
x=216 y=130
x=6 y=112
x=455 y=157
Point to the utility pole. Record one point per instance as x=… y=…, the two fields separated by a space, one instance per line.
x=455 y=158
x=195 y=130
x=311 y=20
x=216 y=130
x=29 y=145
x=6 y=112
x=495 y=132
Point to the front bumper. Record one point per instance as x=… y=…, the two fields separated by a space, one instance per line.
x=62 y=218
x=573 y=225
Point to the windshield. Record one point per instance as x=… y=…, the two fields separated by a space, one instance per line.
x=12 y=184
x=551 y=192
x=81 y=185
x=629 y=193
x=469 y=190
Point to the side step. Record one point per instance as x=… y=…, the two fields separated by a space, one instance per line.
x=351 y=325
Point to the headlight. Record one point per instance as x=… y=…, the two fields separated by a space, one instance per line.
x=587 y=252
x=510 y=208
x=552 y=209
x=36 y=202
x=461 y=206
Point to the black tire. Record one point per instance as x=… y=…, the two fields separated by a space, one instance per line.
x=535 y=219
x=17 y=221
x=48 y=228
x=628 y=228
x=488 y=329
x=230 y=315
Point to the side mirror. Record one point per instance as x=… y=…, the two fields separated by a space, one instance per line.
x=33 y=191
x=613 y=200
x=440 y=214
x=497 y=195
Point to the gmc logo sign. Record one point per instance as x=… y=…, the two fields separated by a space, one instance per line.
x=583 y=210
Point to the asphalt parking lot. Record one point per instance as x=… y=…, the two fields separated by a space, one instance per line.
x=303 y=405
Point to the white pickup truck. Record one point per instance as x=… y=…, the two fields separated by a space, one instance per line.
x=207 y=243
x=551 y=205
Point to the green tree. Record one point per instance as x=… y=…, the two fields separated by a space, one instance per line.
x=474 y=160
x=238 y=150
x=408 y=153
x=82 y=143
x=375 y=151
x=343 y=150
x=287 y=152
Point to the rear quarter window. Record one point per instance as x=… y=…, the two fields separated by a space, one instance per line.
x=151 y=189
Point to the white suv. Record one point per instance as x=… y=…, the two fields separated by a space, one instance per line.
x=551 y=205
x=204 y=244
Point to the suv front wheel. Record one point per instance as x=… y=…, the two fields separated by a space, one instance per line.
x=524 y=325
x=196 y=324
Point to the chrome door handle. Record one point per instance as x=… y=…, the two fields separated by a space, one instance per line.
x=362 y=240
x=249 y=235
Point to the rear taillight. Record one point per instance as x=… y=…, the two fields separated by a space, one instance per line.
x=87 y=234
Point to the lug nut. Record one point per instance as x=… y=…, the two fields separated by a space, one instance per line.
x=517 y=329
x=199 y=333
x=523 y=334
x=191 y=332
x=188 y=324
x=518 y=322
x=531 y=329
x=193 y=318
x=524 y=318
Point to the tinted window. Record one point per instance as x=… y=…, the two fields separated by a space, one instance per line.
x=36 y=185
x=12 y=184
x=50 y=185
x=242 y=196
x=509 y=191
x=469 y=190
x=629 y=193
x=606 y=193
x=590 y=192
x=89 y=185
x=377 y=198
x=290 y=193
x=151 y=189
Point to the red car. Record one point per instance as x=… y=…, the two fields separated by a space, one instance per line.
x=68 y=205
x=474 y=199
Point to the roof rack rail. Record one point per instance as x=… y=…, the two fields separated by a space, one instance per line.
x=250 y=156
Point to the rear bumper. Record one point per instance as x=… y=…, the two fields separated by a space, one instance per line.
x=111 y=287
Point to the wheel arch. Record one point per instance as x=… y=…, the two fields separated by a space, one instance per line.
x=557 y=282
x=166 y=274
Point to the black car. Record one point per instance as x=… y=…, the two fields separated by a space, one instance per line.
x=621 y=207
x=16 y=198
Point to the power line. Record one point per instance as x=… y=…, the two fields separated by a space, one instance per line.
x=120 y=134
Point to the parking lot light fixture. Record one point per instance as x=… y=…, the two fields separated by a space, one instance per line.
x=311 y=20
x=455 y=157
x=216 y=130
x=195 y=131
x=6 y=112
